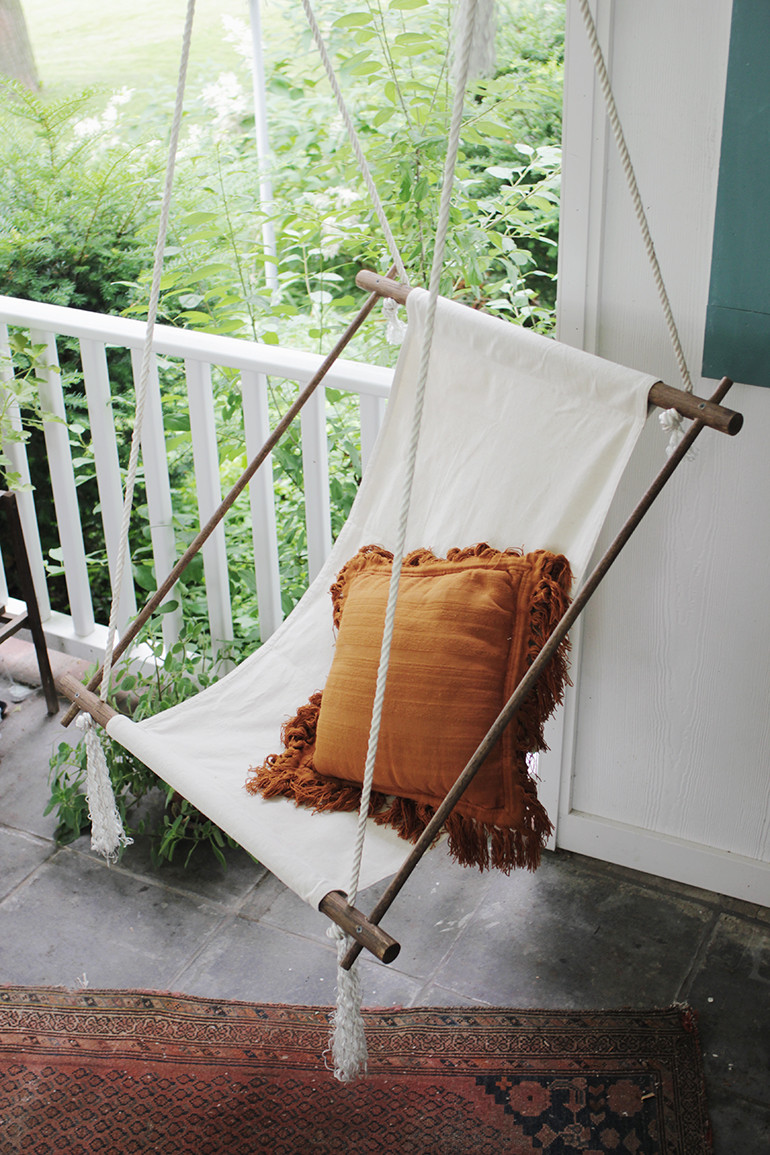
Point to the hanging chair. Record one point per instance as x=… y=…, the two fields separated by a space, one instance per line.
x=523 y=444
x=505 y=438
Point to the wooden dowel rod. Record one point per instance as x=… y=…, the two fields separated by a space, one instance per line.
x=335 y=906
x=696 y=408
x=83 y=699
x=665 y=396
x=383 y=286
x=527 y=683
x=193 y=548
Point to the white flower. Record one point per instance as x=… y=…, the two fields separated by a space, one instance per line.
x=96 y=126
x=238 y=33
x=90 y=126
x=123 y=96
x=227 y=100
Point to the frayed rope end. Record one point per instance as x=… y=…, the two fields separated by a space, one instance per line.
x=348 y=1040
x=107 y=834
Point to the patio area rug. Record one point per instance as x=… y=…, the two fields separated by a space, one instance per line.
x=117 y=1072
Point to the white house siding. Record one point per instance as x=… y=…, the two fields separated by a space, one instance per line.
x=664 y=763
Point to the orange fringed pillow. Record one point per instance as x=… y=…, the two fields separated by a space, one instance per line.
x=466 y=629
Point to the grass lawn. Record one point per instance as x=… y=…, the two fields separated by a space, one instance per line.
x=86 y=42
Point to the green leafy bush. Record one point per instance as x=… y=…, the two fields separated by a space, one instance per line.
x=174 y=675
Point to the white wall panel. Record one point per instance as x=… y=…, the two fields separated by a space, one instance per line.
x=672 y=703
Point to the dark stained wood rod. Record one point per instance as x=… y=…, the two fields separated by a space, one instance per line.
x=205 y=533
x=526 y=684
x=335 y=906
x=12 y=626
x=31 y=617
x=665 y=396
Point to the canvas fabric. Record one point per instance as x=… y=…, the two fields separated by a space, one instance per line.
x=523 y=443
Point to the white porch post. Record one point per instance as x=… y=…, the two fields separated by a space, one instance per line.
x=263 y=144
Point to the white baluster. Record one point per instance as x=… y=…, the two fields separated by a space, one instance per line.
x=104 y=444
x=63 y=483
x=256 y=422
x=209 y=489
x=315 y=468
x=158 y=492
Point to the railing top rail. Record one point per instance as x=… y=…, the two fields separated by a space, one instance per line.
x=233 y=352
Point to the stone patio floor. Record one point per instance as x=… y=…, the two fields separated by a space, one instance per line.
x=577 y=934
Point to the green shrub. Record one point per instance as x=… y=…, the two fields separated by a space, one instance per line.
x=177 y=826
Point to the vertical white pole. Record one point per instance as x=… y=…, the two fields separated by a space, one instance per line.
x=104 y=443
x=256 y=424
x=315 y=469
x=65 y=494
x=158 y=492
x=263 y=144
x=208 y=485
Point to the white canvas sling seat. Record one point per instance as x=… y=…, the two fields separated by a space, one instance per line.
x=524 y=441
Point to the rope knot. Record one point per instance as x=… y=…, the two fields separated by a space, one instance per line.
x=671 y=421
x=396 y=329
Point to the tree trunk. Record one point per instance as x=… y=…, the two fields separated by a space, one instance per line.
x=16 y=59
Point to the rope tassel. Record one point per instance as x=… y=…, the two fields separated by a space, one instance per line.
x=348 y=1040
x=107 y=834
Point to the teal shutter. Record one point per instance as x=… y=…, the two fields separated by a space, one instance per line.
x=738 y=318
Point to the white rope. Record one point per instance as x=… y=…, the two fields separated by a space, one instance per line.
x=152 y=312
x=481 y=61
x=398 y=554
x=107 y=834
x=355 y=143
x=673 y=424
x=348 y=1040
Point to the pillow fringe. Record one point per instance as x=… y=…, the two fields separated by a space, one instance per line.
x=550 y=601
x=291 y=774
x=471 y=841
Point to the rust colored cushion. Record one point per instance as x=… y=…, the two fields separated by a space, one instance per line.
x=466 y=629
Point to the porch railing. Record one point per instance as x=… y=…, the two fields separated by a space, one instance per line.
x=78 y=633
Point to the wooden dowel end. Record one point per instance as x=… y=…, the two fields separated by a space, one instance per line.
x=335 y=906
x=83 y=699
x=696 y=408
x=383 y=286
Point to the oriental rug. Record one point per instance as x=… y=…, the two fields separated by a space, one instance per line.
x=117 y=1072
